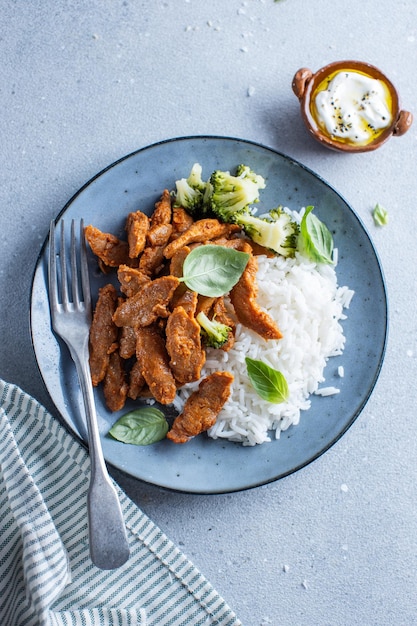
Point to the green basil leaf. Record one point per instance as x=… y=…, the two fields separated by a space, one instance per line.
x=269 y=383
x=213 y=270
x=140 y=427
x=317 y=240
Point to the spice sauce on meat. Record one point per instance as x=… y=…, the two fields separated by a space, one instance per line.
x=202 y=407
x=115 y=386
x=243 y=297
x=137 y=227
x=183 y=342
x=107 y=247
x=150 y=303
x=200 y=231
x=103 y=333
x=153 y=360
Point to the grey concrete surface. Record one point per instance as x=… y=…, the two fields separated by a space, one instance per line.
x=83 y=84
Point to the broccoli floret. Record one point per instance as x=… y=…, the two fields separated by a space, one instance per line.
x=222 y=195
x=232 y=195
x=191 y=192
x=187 y=197
x=277 y=231
x=195 y=179
x=243 y=171
x=215 y=334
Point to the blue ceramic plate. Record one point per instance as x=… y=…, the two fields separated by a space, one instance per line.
x=215 y=466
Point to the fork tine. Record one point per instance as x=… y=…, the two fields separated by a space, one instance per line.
x=68 y=275
x=52 y=267
x=74 y=273
x=63 y=261
x=85 y=279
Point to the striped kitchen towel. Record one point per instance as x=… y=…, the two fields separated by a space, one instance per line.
x=46 y=575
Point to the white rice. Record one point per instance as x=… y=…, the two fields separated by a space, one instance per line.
x=308 y=306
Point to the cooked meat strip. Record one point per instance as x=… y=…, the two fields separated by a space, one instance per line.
x=163 y=212
x=177 y=261
x=161 y=227
x=115 y=387
x=248 y=312
x=182 y=296
x=159 y=235
x=205 y=304
x=248 y=245
x=221 y=241
x=136 y=380
x=186 y=298
x=239 y=243
x=152 y=260
x=127 y=342
x=107 y=247
x=202 y=407
x=137 y=226
x=259 y=250
x=148 y=304
x=153 y=362
x=200 y=232
x=103 y=333
x=181 y=220
x=131 y=280
x=175 y=269
x=183 y=343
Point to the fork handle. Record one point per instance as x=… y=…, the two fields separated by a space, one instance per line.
x=109 y=547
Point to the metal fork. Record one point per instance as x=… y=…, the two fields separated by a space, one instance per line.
x=71 y=312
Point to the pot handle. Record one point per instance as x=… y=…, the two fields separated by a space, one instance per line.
x=300 y=81
x=403 y=123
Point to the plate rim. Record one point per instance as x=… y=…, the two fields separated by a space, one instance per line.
x=376 y=373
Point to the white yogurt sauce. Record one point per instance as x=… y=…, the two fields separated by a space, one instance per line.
x=353 y=107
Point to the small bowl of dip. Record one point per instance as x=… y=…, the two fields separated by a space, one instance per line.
x=350 y=106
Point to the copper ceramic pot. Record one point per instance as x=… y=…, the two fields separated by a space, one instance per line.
x=305 y=84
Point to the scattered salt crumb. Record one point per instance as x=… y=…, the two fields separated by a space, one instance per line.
x=345 y=547
x=209 y=23
x=266 y=620
x=251 y=91
x=286 y=568
x=411 y=38
x=241 y=11
x=304 y=584
x=344 y=488
x=95 y=36
x=244 y=49
x=410 y=353
x=341 y=371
